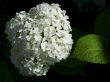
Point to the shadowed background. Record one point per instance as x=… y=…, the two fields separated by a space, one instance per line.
x=79 y=19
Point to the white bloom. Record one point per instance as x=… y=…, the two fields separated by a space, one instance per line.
x=39 y=38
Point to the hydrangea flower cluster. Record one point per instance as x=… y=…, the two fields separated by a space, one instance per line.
x=39 y=38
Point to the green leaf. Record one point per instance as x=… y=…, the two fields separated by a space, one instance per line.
x=5 y=75
x=102 y=24
x=90 y=48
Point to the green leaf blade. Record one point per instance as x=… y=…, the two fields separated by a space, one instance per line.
x=90 y=48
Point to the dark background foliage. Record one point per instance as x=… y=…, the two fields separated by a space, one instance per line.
x=78 y=19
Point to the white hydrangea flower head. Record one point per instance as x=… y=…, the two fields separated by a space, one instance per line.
x=39 y=38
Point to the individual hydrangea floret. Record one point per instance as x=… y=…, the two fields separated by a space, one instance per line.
x=39 y=38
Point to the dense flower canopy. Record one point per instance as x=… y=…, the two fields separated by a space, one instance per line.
x=39 y=38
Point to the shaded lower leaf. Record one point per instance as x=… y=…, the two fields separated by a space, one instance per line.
x=63 y=70
x=5 y=74
x=90 y=48
x=71 y=62
x=71 y=66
